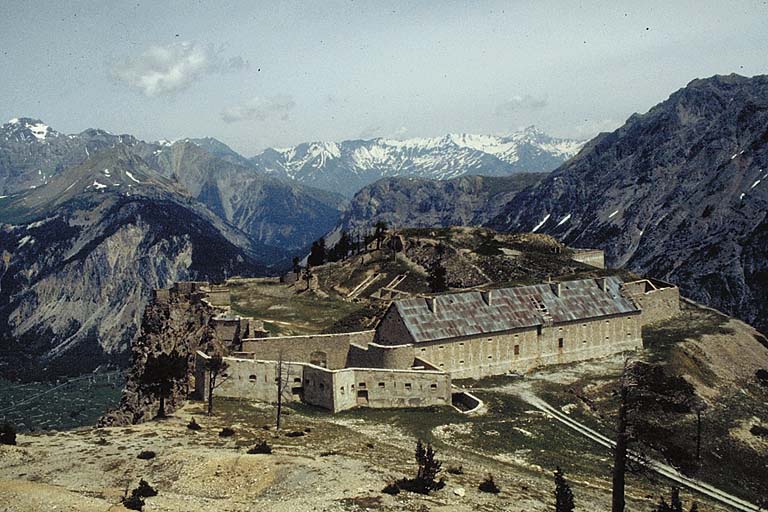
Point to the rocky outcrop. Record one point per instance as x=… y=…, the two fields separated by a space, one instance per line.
x=679 y=193
x=177 y=320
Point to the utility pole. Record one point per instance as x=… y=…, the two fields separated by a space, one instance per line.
x=279 y=388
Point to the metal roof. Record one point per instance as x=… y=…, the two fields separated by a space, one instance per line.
x=469 y=313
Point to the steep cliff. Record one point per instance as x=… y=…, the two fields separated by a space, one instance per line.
x=679 y=193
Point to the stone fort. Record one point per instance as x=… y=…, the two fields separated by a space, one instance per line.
x=422 y=343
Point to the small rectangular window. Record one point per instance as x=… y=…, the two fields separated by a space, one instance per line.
x=361 y=385
x=433 y=387
x=341 y=389
x=407 y=386
x=381 y=384
x=490 y=357
x=517 y=350
x=423 y=350
x=560 y=342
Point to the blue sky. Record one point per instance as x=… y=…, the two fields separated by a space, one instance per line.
x=259 y=74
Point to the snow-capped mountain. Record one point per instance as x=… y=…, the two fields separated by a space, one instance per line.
x=348 y=166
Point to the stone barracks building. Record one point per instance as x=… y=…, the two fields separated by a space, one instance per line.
x=422 y=343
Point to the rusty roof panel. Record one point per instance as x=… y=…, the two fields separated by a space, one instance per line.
x=469 y=313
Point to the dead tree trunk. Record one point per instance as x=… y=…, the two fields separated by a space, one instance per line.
x=620 y=454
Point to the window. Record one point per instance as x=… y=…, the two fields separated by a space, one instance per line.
x=341 y=389
x=584 y=342
x=297 y=379
x=442 y=365
x=423 y=350
x=407 y=386
x=433 y=387
x=361 y=385
x=461 y=344
x=461 y=361
x=381 y=385
x=252 y=378
x=490 y=357
x=441 y=347
x=560 y=342
x=517 y=350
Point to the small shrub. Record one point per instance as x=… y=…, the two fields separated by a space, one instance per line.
x=102 y=442
x=7 y=434
x=391 y=489
x=136 y=500
x=144 y=490
x=296 y=433
x=146 y=455
x=370 y=445
x=193 y=425
x=227 y=432
x=488 y=485
x=759 y=430
x=262 y=447
x=133 y=503
x=455 y=470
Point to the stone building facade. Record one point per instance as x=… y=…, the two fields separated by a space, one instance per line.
x=480 y=334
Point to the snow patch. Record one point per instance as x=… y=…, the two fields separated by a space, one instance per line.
x=106 y=172
x=755 y=184
x=128 y=173
x=97 y=185
x=563 y=220
x=613 y=214
x=540 y=224
x=25 y=240
x=741 y=196
x=39 y=130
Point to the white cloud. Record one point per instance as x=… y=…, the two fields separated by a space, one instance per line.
x=172 y=68
x=516 y=104
x=260 y=109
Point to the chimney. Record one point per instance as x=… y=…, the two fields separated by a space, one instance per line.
x=487 y=297
x=601 y=283
x=556 y=288
x=432 y=304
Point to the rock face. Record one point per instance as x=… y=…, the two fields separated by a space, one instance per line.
x=417 y=202
x=84 y=252
x=179 y=323
x=345 y=167
x=679 y=193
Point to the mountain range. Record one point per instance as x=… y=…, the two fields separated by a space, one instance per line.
x=348 y=166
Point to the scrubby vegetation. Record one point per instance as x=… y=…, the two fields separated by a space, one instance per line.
x=261 y=448
x=488 y=485
x=7 y=433
x=146 y=455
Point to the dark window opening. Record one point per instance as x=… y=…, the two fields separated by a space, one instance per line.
x=560 y=342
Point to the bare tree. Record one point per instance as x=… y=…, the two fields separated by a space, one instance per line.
x=215 y=366
x=282 y=381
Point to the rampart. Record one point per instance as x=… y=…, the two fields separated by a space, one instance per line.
x=325 y=350
x=591 y=257
x=656 y=299
x=335 y=390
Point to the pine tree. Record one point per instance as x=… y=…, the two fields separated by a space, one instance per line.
x=161 y=372
x=437 y=278
x=563 y=494
x=215 y=367
x=380 y=230
x=296 y=266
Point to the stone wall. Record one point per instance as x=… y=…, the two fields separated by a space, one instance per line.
x=381 y=356
x=250 y=378
x=591 y=257
x=326 y=350
x=657 y=300
x=391 y=330
x=526 y=349
x=335 y=390
x=218 y=296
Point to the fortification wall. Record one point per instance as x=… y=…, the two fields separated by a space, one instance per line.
x=335 y=390
x=218 y=296
x=381 y=388
x=526 y=349
x=326 y=350
x=250 y=378
x=381 y=356
x=591 y=257
x=657 y=300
